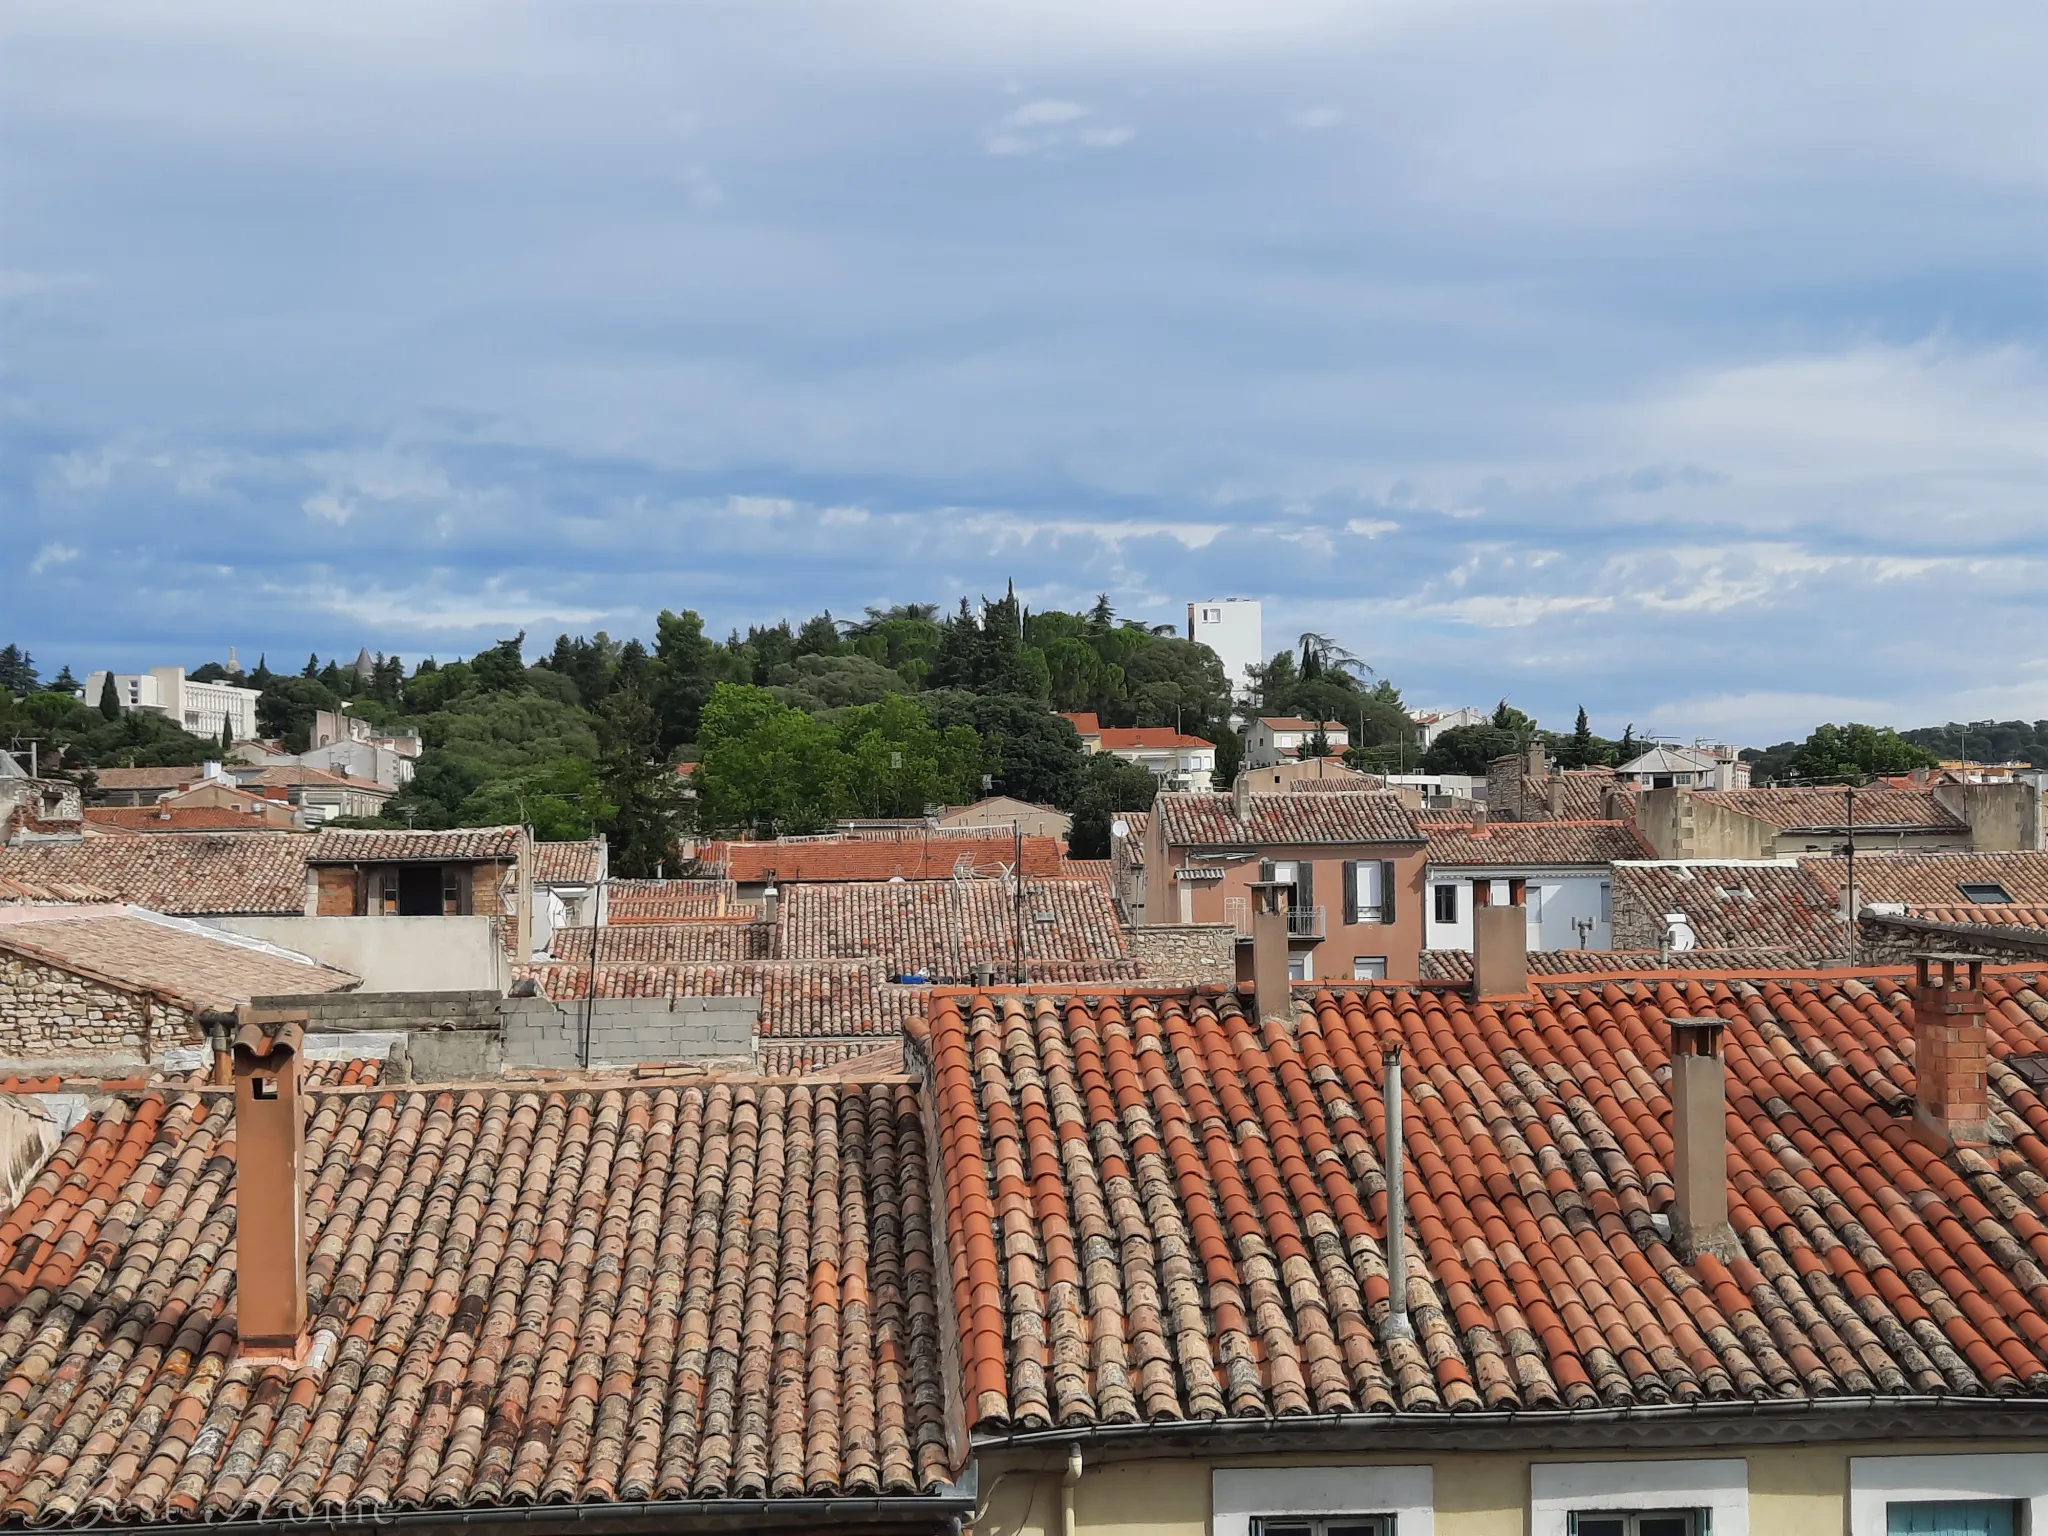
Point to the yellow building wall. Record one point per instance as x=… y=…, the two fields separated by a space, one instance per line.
x=1793 y=1490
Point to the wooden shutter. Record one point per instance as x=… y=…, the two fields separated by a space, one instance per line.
x=1304 y=885
x=1350 y=891
x=1386 y=890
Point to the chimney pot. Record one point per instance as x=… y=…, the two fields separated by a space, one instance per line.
x=1699 y=1138
x=270 y=1135
x=1951 y=1051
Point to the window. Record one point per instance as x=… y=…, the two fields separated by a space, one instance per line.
x=1323 y=1501
x=1446 y=897
x=1212 y=615
x=1606 y=902
x=1297 y=968
x=1951 y=1517
x=1988 y=1494
x=1983 y=892
x=1369 y=968
x=1368 y=891
x=1639 y=1498
x=1634 y=1522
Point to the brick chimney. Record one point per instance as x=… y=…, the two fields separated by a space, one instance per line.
x=1271 y=989
x=1951 y=1051
x=1699 y=1140
x=270 y=1202
x=1500 y=941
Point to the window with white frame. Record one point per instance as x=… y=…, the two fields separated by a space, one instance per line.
x=1297 y=968
x=1323 y=1501
x=1966 y=1495
x=1369 y=968
x=1639 y=1498
x=1446 y=898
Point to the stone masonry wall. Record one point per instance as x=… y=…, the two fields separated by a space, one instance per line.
x=1191 y=954
x=48 y=1012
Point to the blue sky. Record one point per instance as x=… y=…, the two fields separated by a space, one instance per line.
x=1681 y=361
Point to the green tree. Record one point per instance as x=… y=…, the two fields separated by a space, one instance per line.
x=1317 y=745
x=1105 y=786
x=899 y=764
x=1027 y=751
x=110 y=701
x=650 y=810
x=765 y=767
x=227 y=736
x=1469 y=749
x=1510 y=719
x=685 y=671
x=17 y=671
x=561 y=801
x=501 y=669
x=1854 y=752
x=286 y=706
x=64 y=682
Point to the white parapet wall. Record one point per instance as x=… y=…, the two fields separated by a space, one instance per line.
x=392 y=954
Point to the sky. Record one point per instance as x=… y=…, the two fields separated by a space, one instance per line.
x=1684 y=362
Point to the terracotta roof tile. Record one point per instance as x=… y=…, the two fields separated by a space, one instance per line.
x=2009 y=914
x=1162 y=1210
x=697 y=1291
x=702 y=939
x=462 y=843
x=1345 y=817
x=1794 y=810
x=1736 y=903
x=186 y=818
x=924 y=858
x=1931 y=878
x=667 y=901
x=566 y=863
x=1583 y=794
x=856 y=1058
x=1537 y=843
x=1147 y=738
x=131 y=779
x=947 y=928
x=260 y=873
x=798 y=998
x=185 y=962
x=1455 y=965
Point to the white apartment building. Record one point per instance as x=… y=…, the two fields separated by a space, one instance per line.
x=201 y=708
x=1432 y=723
x=1671 y=767
x=1234 y=628
x=1278 y=739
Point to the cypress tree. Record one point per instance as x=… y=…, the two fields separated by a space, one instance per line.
x=110 y=701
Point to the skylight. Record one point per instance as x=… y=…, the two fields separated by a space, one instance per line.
x=1980 y=892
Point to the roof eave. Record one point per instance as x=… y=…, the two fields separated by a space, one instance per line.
x=1769 y=1421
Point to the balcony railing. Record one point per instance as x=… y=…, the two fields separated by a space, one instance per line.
x=1302 y=922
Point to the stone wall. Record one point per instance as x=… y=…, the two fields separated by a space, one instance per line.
x=1187 y=954
x=49 y=1012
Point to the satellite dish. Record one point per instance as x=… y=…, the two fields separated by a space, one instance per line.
x=1678 y=934
x=1119 y=828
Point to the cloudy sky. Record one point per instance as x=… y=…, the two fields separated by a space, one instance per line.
x=1683 y=361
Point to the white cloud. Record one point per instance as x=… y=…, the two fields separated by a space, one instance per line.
x=486 y=605
x=1051 y=126
x=1370 y=527
x=325 y=504
x=51 y=556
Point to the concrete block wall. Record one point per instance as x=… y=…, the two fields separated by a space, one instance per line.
x=542 y=1033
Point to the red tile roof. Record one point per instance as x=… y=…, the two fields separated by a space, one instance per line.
x=131 y=779
x=477 y=844
x=1793 y=810
x=838 y=1059
x=251 y=873
x=1352 y=816
x=1084 y=722
x=1455 y=965
x=947 y=928
x=18 y=890
x=1296 y=723
x=185 y=818
x=707 y=1291
x=1933 y=878
x=1148 y=738
x=702 y=939
x=1472 y=845
x=667 y=901
x=925 y=858
x=566 y=863
x=184 y=963
x=798 y=997
x=1734 y=903
x=2009 y=914
x=1161 y=1210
